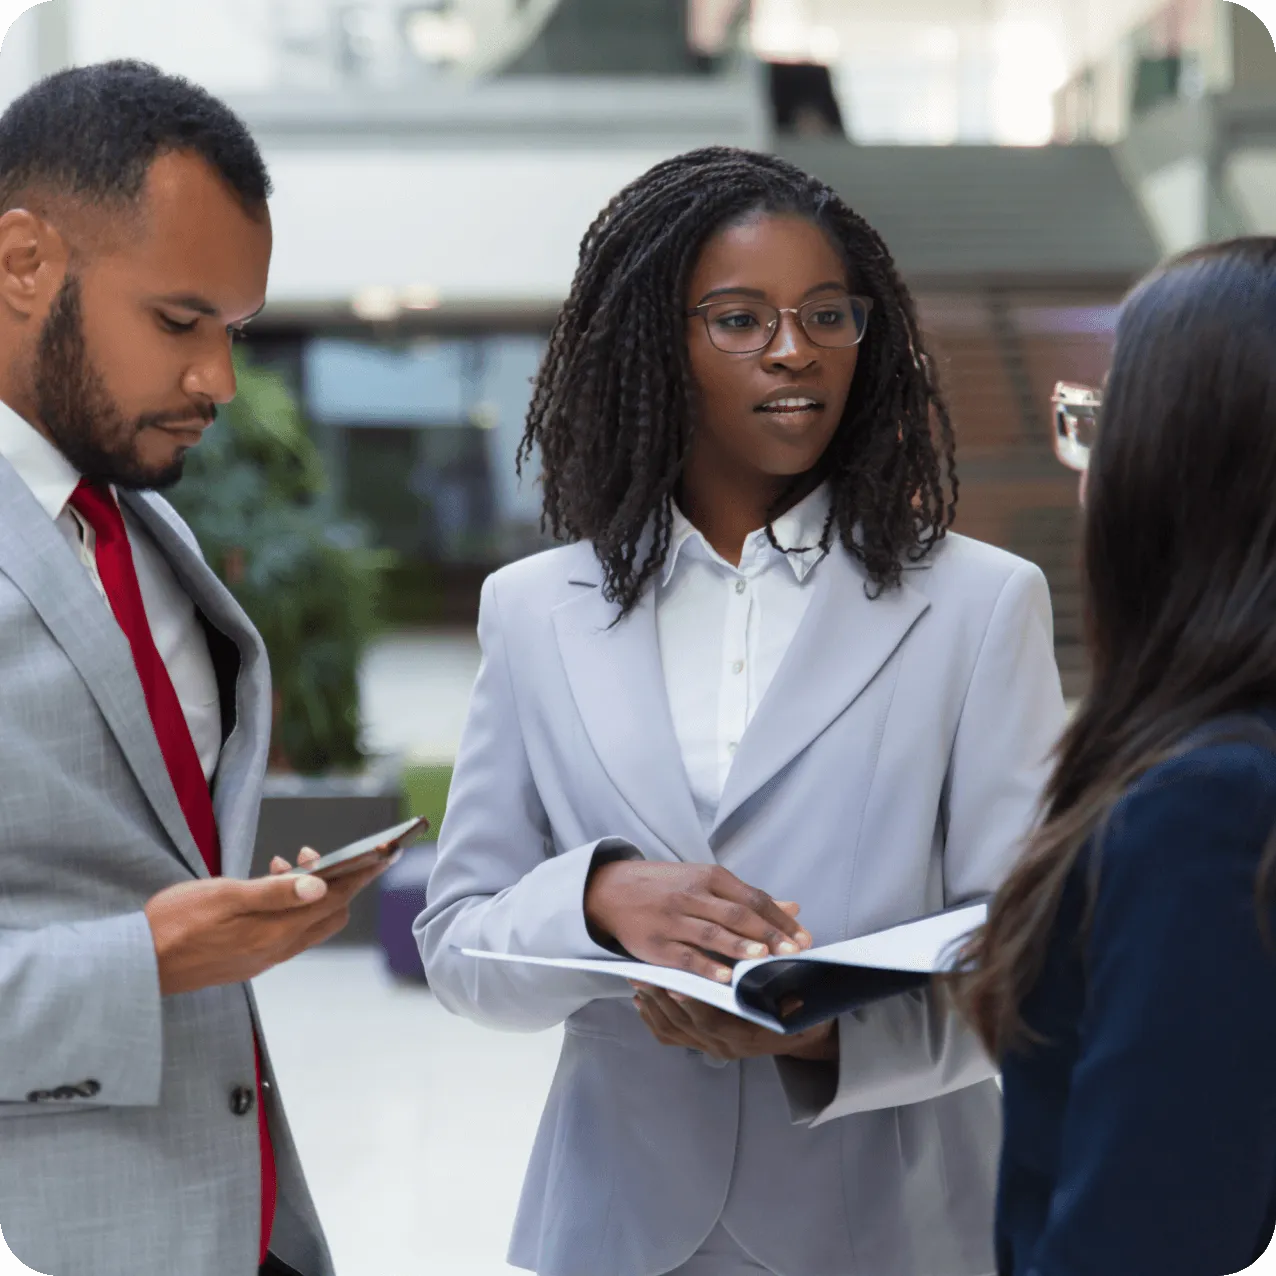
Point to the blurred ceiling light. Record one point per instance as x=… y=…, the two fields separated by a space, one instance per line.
x=1029 y=67
x=709 y=24
x=436 y=36
x=420 y=297
x=780 y=32
x=941 y=43
x=376 y=303
x=485 y=415
x=499 y=29
x=825 y=45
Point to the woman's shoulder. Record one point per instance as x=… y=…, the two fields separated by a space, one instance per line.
x=961 y=563
x=1217 y=791
x=543 y=580
x=970 y=581
x=1236 y=752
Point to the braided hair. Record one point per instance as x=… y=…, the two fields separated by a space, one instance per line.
x=613 y=408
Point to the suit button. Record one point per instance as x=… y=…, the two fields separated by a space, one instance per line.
x=242 y=1100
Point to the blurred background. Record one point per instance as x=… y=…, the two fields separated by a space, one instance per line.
x=435 y=164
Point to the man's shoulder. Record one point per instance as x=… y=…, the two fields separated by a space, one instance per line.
x=164 y=510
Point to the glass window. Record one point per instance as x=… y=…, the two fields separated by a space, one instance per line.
x=423 y=436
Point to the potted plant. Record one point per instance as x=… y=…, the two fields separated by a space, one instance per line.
x=257 y=498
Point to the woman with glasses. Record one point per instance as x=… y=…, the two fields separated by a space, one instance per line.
x=1127 y=974
x=760 y=701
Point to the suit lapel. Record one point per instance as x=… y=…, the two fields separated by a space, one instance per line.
x=36 y=557
x=843 y=640
x=236 y=787
x=618 y=685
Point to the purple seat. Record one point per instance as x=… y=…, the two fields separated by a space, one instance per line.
x=402 y=897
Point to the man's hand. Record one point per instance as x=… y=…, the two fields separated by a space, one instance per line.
x=689 y=915
x=226 y=931
x=675 y=1020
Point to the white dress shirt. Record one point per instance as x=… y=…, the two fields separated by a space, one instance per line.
x=723 y=631
x=175 y=626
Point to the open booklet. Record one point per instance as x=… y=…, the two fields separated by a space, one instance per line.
x=829 y=980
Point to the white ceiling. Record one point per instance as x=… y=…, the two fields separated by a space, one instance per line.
x=1085 y=29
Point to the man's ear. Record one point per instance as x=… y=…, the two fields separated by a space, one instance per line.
x=33 y=262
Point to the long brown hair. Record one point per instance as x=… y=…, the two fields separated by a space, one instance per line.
x=1180 y=582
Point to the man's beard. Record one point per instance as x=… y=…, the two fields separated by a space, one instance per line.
x=77 y=411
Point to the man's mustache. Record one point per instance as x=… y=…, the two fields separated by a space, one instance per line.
x=167 y=420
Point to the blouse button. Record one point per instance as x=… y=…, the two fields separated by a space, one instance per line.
x=740 y=587
x=738 y=667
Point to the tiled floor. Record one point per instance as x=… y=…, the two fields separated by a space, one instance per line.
x=414 y=1126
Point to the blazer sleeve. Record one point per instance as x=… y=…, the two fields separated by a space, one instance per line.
x=81 y=1009
x=1167 y=1160
x=916 y=1047
x=499 y=885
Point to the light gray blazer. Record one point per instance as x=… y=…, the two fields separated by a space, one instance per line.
x=892 y=768
x=119 y=1152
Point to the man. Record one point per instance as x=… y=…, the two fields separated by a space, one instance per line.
x=140 y=1130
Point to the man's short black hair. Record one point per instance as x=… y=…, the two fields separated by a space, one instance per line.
x=92 y=133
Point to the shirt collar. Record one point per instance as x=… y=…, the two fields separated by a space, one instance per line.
x=798 y=530
x=50 y=476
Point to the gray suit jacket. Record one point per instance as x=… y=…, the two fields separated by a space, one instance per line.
x=120 y=1154
x=892 y=768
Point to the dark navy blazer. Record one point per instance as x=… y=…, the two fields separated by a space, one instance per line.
x=1142 y=1137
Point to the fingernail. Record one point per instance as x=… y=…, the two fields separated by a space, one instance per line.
x=722 y=975
x=311 y=888
x=804 y=938
x=756 y=950
x=789 y=948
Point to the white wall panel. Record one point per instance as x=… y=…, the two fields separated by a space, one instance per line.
x=480 y=227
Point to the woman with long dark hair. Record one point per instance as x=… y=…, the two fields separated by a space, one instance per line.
x=762 y=700
x=1127 y=974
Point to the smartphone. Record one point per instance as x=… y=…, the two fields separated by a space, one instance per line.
x=365 y=852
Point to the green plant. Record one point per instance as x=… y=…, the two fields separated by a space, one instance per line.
x=255 y=494
x=425 y=790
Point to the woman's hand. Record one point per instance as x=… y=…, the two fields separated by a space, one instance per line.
x=692 y=917
x=675 y=1020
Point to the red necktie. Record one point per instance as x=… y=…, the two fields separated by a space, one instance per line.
x=115 y=569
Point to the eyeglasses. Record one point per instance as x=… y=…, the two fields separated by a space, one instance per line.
x=745 y=327
x=1076 y=412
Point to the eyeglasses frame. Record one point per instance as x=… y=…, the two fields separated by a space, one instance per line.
x=1066 y=400
x=780 y=312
